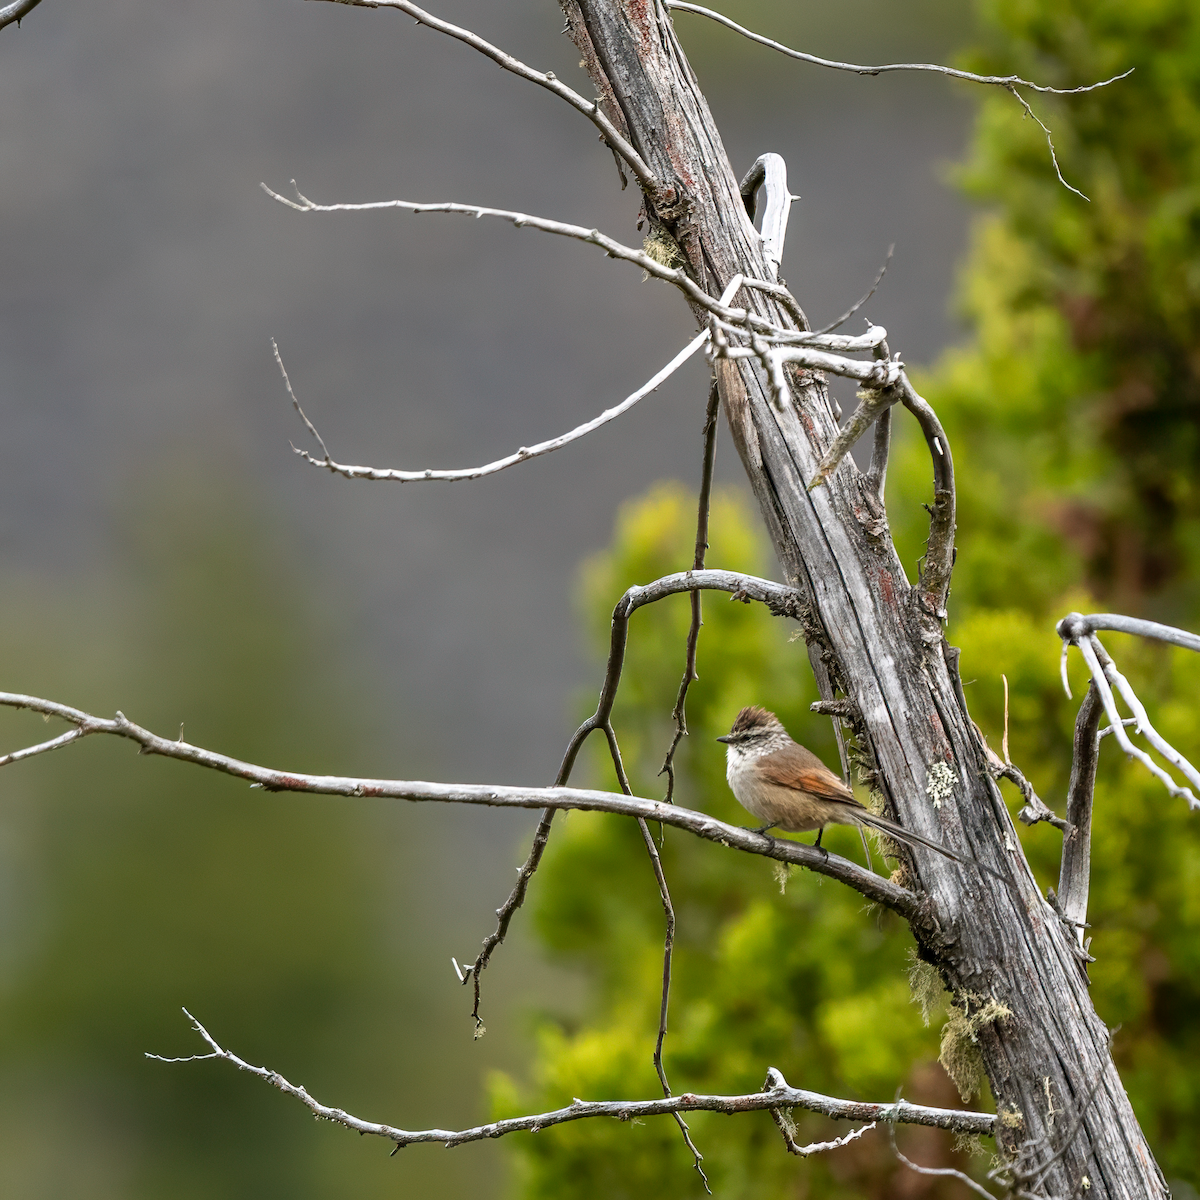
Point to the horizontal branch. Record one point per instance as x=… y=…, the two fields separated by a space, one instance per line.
x=524 y=454
x=1076 y=625
x=873 y=887
x=623 y=1110
x=15 y=11
x=1004 y=81
x=614 y=249
x=546 y=79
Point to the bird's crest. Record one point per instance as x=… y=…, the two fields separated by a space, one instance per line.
x=754 y=718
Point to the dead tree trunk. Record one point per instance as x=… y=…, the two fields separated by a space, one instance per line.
x=1011 y=964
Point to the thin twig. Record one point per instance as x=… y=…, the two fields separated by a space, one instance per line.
x=1009 y=83
x=668 y=950
x=701 y=549
x=950 y=1172
x=960 y=1121
x=995 y=80
x=785 y=1127
x=15 y=11
x=872 y=404
x=859 y=303
x=547 y=79
x=524 y=454
x=504 y=914
x=1050 y=140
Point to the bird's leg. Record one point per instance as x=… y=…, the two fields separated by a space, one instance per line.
x=817 y=844
x=766 y=828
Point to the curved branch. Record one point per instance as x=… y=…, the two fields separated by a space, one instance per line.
x=939 y=551
x=524 y=454
x=547 y=79
x=882 y=891
x=770 y=172
x=782 y=1096
x=16 y=11
x=1076 y=625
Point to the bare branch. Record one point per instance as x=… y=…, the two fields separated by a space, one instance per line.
x=861 y=301
x=1050 y=140
x=1004 y=81
x=873 y=403
x=1075 y=869
x=1074 y=630
x=939 y=551
x=504 y=914
x=524 y=454
x=668 y=950
x=15 y=11
x=788 y=1130
x=949 y=1172
x=882 y=891
x=547 y=79
x=693 y=637
x=1035 y=809
x=1077 y=625
x=770 y=173
x=1010 y=83
x=614 y=249
x=623 y=1110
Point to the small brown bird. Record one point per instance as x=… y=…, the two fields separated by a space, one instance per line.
x=788 y=787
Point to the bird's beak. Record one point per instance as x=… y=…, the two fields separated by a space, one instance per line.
x=727 y=738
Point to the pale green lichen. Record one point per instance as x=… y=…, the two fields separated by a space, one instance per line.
x=960 y=1054
x=941 y=784
x=781 y=870
x=664 y=249
x=925 y=985
x=969 y=1143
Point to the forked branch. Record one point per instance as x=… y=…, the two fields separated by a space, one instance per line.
x=1078 y=630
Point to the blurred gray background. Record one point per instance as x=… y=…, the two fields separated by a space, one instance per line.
x=165 y=553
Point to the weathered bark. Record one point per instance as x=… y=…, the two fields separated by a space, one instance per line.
x=879 y=640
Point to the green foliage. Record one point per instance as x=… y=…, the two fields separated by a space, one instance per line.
x=1073 y=416
x=1074 y=409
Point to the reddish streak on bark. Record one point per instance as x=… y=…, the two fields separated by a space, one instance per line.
x=885 y=586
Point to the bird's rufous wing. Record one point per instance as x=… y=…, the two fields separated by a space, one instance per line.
x=800 y=769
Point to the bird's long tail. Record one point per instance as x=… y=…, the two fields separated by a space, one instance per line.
x=910 y=838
